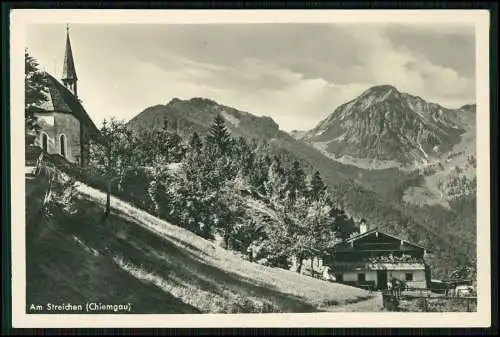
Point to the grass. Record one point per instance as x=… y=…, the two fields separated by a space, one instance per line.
x=134 y=257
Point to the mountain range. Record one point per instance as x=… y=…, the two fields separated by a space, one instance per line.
x=405 y=164
x=196 y=114
x=382 y=134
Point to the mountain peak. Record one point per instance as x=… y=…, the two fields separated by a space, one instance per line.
x=386 y=124
x=194 y=100
x=381 y=89
x=174 y=100
x=202 y=100
x=197 y=113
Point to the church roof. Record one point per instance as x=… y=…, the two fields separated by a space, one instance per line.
x=69 y=71
x=60 y=99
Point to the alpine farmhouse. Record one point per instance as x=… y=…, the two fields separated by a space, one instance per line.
x=373 y=258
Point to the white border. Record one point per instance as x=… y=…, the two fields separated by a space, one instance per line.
x=21 y=17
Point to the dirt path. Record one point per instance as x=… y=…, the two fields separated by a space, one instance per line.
x=371 y=305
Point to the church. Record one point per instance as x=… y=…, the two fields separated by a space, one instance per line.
x=65 y=127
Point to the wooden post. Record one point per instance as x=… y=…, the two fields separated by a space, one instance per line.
x=425 y=304
x=468 y=304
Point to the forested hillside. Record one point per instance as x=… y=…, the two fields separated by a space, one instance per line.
x=222 y=188
x=448 y=233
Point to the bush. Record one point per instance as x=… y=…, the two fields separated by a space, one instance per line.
x=61 y=191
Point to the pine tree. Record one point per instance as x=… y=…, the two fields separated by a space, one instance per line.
x=195 y=143
x=317 y=187
x=275 y=185
x=344 y=225
x=296 y=182
x=218 y=137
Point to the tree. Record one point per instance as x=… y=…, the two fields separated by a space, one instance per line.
x=316 y=186
x=301 y=237
x=35 y=85
x=321 y=226
x=114 y=154
x=275 y=184
x=159 y=146
x=296 y=181
x=218 y=137
x=258 y=175
x=244 y=155
x=229 y=211
x=195 y=143
x=344 y=226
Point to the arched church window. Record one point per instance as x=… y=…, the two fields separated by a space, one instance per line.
x=45 y=142
x=62 y=144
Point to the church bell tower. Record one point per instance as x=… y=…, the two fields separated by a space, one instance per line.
x=69 y=77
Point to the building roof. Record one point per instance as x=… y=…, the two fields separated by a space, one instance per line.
x=372 y=231
x=60 y=99
x=69 y=71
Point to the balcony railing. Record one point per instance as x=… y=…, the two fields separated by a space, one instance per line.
x=365 y=260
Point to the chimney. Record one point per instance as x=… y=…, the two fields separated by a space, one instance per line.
x=363 y=226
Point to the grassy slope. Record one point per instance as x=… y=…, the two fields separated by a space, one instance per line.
x=159 y=268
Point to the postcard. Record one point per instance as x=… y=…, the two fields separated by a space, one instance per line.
x=295 y=168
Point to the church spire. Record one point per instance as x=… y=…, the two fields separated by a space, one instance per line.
x=69 y=77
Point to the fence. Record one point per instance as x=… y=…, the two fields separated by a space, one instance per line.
x=439 y=292
x=424 y=300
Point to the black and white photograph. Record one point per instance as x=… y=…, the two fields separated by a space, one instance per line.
x=251 y=165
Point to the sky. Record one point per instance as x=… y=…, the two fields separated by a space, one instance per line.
x=298 y=74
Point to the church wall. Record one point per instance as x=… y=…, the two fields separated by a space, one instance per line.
x=47 y=124
x=55 y=124
x=68 y=125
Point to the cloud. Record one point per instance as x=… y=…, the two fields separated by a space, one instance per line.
x=295 y=73
x=449 y=46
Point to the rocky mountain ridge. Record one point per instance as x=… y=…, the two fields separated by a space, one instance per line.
x=384 y=124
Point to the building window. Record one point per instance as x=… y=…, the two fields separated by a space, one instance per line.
x=361 y=277
x=45 y=142
x=339 y=277
x=62 y=145
x=409 y=276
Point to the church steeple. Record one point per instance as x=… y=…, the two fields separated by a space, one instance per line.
x=69 y=77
